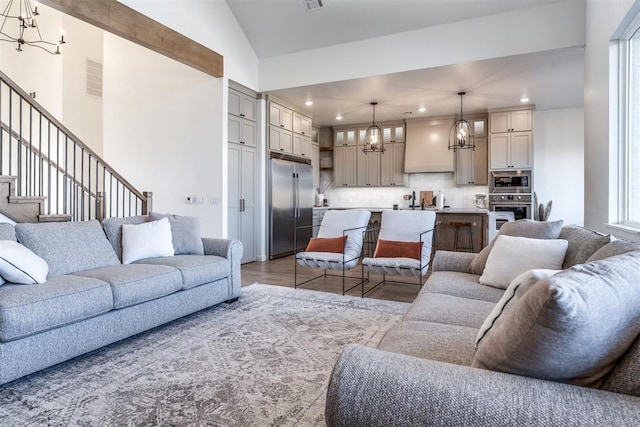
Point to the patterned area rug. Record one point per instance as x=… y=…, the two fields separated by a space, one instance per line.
x=262 y=361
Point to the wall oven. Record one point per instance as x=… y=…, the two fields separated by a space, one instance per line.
x=510 y=182
x=520 y=204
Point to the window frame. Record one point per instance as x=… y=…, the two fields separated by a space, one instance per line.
x=629 y=28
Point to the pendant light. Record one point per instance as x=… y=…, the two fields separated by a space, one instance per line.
x=461 y=133
x=373 y=137
x=18 y=25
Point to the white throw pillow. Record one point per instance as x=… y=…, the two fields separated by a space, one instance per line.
x=514 y=292
x=148 y=240
x=19 y=265
x=512 y=256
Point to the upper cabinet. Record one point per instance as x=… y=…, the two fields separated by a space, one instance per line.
x=512 y=121
x=393 y=132
x=242 y=105
x=511 y=139
x=280 y=116
x=301 y=124
x=290 y=132
x=344 y=137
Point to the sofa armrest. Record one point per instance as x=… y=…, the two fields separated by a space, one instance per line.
x=372 y=387
x=232 y=250
x=452 y=261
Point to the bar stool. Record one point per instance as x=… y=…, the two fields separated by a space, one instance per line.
x=465 y=226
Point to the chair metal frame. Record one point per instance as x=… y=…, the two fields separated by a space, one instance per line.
x=296 y=285
x=401 y=282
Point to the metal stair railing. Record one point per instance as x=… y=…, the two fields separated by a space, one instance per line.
x=49 y=161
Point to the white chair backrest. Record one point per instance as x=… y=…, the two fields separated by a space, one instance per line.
x=335 y=222
x=406 y=226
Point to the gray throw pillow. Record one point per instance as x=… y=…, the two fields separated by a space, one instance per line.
x=571 y=327
x=185 y=231
x=613 y=248
x=520 y=228
x=582 y=244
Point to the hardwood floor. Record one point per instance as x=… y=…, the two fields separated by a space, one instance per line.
x=281 y=272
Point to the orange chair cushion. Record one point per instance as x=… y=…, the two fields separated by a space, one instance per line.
x=327 y=244
x=393 y=249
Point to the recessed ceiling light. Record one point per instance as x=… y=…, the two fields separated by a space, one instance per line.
x=338 y=117
x=422 y=109
x=524 y=99
x=308 y=103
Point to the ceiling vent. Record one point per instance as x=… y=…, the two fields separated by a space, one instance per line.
x=311 y=5
x=94 y=78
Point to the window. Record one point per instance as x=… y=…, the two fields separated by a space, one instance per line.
x=629 y=97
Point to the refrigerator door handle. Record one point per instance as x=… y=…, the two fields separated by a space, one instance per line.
x=297 y=195
x=241 y=205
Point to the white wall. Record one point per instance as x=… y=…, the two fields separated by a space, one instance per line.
x=162 y=129
x=82 y=113
x=603 y=17
x=559 y=162
x=553 y=26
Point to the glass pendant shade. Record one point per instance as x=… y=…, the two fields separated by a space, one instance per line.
x=373 y=136
x=461 y=133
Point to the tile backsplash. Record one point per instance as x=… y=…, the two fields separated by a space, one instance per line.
x=385 y=197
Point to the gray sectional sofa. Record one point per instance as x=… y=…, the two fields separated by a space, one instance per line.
x=421 y=373
x=90 y=299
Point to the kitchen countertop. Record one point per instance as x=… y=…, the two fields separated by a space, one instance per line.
x=476 y=211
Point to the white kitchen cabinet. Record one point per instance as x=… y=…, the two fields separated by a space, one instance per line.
x=241 y=131
x=368 y=168
x=511 y=121
x=392 y=165
x=242 y=105
x=471 y=165
x=280 y=116
x=280 y=139
x=301 y=145
x=344 y=166
x=393 y=133
x=241 y=180
x=301 y=124
x=511 y=150
x=344 y=137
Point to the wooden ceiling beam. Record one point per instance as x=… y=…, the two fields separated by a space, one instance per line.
x=130 y=24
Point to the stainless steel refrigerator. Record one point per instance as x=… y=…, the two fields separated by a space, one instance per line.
x=290 y=206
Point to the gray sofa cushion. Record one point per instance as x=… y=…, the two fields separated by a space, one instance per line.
x=136 y=283
x=520 y=228
x=195 y=269
x=616 y=247
x=113 y=229
x=185 y=233
x=571 y=327
x=7 y=231
x=582 y=244
x=463 y=285
x=435 y=341
x=625 y=377
x=441 y=308
x=26 y=310
x=68 y=246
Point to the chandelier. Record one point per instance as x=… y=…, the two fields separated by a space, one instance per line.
x=461 y=133
x=28 y=32
x=373 y=137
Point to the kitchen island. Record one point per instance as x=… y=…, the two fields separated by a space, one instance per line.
x=445 y=226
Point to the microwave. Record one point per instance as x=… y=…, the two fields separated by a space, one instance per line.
x=510 y=181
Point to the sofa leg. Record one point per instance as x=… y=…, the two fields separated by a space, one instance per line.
x=231 y=301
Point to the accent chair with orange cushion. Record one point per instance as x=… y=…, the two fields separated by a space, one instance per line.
x=338 y=245
x=404 y=245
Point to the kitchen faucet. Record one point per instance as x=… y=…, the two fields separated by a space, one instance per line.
x=413 y=201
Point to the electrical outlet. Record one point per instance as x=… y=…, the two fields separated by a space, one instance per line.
x=192 y=199
x=214 y=201
x=199 y=200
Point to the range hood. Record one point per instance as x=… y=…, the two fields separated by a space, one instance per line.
x=427 y=143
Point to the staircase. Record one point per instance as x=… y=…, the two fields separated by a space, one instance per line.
x=48 y=174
